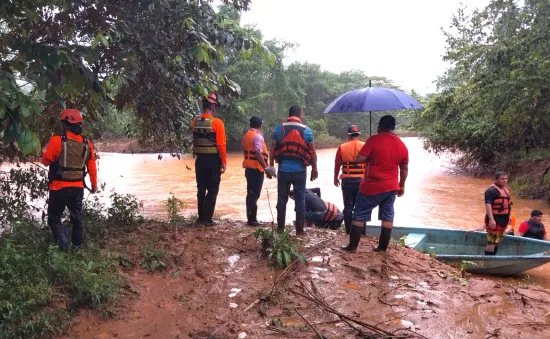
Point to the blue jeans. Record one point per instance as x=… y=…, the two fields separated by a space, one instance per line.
x=298 y=182
x=350 y=188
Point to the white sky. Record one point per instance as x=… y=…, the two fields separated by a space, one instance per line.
x=398 y=39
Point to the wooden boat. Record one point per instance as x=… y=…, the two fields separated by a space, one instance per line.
x=467 y=249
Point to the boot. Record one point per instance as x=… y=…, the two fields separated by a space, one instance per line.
x=490 y=253
x=210 y=206
x=60 y=234
x=253 y=217
x=281 y=220
x=200 y=208
x=347 y=222
x=354 y=239
x=384 y=240
x=496 y=249
x=300 y=218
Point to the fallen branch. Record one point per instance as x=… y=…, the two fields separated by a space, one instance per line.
x=309 y=324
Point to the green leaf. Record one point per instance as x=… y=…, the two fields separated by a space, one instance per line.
x=28 y=106
x=2 y=112
x=28 y=142
x=10 y=134
x=105 y=41
x=279 y=258
x=288 y=260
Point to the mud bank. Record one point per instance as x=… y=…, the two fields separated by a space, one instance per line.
x=217 y=285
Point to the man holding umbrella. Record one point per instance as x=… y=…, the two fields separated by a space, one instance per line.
x=352 y=172
x=386 y=158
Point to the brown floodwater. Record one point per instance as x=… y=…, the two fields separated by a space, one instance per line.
x=434 y=197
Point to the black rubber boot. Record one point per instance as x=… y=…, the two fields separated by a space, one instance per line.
x=281 y=220
x=347 y=222
x=300 y=218
x=254 y=217
x=496 y=249
x=489 y=253
x=354 y=239
x=210 y=206
x=384 y=240
x=200 y=208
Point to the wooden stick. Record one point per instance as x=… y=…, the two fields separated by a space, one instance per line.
x=308 y=323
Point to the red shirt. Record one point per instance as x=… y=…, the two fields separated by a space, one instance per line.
x=384 y=152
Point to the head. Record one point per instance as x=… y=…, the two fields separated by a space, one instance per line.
x=256 y=122
x=386 y=124
x=291 y=194
x=536 y=216
x=295 y=111
x=353 y=132
x=71 y=120
x=501 y=179
x=211 y=102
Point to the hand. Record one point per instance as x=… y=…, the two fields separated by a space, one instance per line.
x=314 y=174
x=222 y=170
x=268 y=175
x=492 y=225
x=336 y=182
x=401 y=191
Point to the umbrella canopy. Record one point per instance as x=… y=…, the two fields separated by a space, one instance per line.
x=372 y=99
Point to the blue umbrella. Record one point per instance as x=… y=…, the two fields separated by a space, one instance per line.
x=372 y=99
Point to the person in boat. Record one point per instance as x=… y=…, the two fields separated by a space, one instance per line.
x=68 y=157
x=498 y=208
x=509 y=229
x=255 y=164
x=533 y=228
x=352 y=172
x=293 y=148
x=320 y=213
x=387 y=159
x=209 y=147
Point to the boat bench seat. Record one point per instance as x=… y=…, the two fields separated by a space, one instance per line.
x=415 y=240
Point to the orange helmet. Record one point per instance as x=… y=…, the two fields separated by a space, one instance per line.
x=213 y=99
x=72 y=116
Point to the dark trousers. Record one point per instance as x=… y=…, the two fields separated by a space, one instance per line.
x=350 y=188
x=208 y=176
x=298 y=182
x=254 y=183
x=70 y=197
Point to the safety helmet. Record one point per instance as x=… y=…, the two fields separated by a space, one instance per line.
x=72 y=116
x=213 y=99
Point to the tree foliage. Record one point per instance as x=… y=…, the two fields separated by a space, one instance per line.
x=496 y=97
x=152 y=56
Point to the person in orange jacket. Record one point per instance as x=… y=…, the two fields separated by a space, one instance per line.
x=209 y=147
x=68 y=156
x=352 y=172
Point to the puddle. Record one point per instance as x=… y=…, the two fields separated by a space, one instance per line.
x=317 y=259
x=406 y=323
x=399 y=296
x=234 y=292
x=233 y=260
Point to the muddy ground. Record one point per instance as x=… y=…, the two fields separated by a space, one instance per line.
x=217 y=285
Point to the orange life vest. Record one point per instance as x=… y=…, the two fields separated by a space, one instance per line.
x=250 y=160
x=502 y=204
x=293 y=144
x=351 y=168
x=332 y=212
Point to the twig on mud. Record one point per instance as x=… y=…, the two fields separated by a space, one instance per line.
x=219 y=328
x=344 y=317
x=381 y=296
x=308 y=323
x=257 y=301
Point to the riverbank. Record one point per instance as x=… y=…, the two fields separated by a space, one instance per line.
x=212 y=283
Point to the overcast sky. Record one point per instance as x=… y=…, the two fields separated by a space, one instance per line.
x=399 y=39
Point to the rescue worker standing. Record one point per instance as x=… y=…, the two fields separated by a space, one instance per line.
x=293 y=148
x=387 y=160
x=68 y=156
x=209 y=146
x=255 y=164
x=497 y=211
x=533 y=228
x=352 y=172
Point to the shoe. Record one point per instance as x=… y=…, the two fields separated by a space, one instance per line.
x=354 y=239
